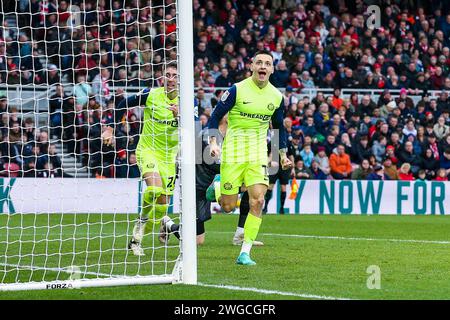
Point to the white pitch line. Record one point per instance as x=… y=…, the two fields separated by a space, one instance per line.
x=305 y=236
x=344 y=238
x=227 y=287
x=37 y=268
x=274 y=292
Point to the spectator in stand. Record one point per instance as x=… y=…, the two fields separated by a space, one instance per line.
x=4 y=172
x=442 y=175
x=120 y=164
x=444 y=144
x=421 y=175
x=410 y=128
x=346 y=141
x=404 y=173
x=432 y=144
x=15 y=116
x=29 y=129
x=364 y=125
x=361 y=150
x=29 y=169
x=430 y=164
x=330 y=144
x=3 y=103
x=440 y=129
x=378 y=173
x=294 y=81
x=321 y=117
x=82 y=90
x=308 y=128
x=362 y=171
x=340 y=165
x=101 y=87
x=224 y=80
x=35 y=165
x=337 y=101
x=53 y=76
x=301 y=171
x=322 y=159
x=58 y=102
x=289 y=97
x=388 y=109
x=379 y=148
x=204 y=120
x=305 y=81
x=445 y=161
x=407 y=155
x=68 y=121
x=295 y=118
x=280 y=77
x=133 y=171
x=316 y=173
x=390 y=169
x=55 y=161
x=307 y=155
x=15 y=133
x=349 y=81
x=203 y=103
x=49 y=171
x=405 y=99
x=43 y=141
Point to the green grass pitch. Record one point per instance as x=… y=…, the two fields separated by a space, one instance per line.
x=305 y=256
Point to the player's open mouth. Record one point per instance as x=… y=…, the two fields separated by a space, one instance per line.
x=262 y=74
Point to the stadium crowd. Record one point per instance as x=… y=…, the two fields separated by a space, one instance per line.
x=24 y=150
x=328 y=45
x=315 y=44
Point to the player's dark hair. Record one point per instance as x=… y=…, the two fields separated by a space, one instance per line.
x=172 y=65
x=266 y=52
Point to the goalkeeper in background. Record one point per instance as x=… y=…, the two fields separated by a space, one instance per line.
x=251 y=104
x=156 y=152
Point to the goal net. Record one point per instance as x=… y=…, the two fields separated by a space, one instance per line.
x=70 y=178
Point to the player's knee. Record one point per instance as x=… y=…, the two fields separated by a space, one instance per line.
x=162 y=199
x=257 y=202
x=228 y=207
x=152 y=193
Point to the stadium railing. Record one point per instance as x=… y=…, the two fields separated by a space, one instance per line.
x=34 y=98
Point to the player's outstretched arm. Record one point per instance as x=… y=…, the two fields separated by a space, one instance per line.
x=135 y=100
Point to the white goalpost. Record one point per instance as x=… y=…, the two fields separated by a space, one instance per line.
x=69 y=200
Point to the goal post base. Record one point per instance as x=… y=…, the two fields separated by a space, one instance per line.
x=88 y=283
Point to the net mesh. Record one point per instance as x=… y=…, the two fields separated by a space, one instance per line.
x=69 y=200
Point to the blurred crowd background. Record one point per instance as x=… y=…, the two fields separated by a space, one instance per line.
x=360 y=102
